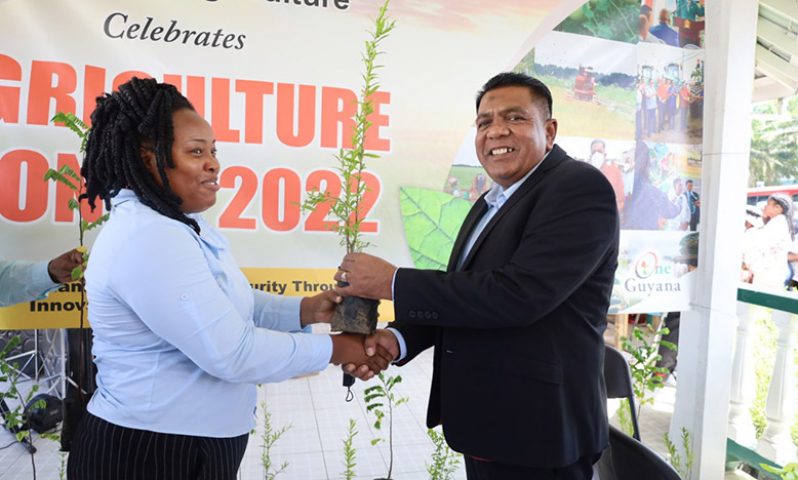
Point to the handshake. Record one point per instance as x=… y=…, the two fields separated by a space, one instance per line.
x=365 y=276
x=364 y=356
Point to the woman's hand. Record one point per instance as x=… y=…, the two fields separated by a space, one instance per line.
x=349 y=349
x=318 y=308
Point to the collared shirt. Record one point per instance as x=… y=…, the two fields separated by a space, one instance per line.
x=22 y=281
x=180 y=337
x=495 y=198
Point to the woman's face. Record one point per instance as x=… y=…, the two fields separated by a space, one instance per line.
x=772 y=209
x=195 y=176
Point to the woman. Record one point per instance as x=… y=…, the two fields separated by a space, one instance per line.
x=767 y=262
x=647 y=204
x=180 y=338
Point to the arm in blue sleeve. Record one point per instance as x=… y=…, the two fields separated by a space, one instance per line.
x=22 y=281
x=162 y=275
x=276 y=312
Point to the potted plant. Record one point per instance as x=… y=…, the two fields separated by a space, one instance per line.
x=354 y=314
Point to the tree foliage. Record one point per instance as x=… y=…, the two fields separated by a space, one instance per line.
x=774 y=144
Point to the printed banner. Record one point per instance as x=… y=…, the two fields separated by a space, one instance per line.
x=277 y=81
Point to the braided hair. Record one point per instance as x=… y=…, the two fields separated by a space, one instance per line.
x=138 y=116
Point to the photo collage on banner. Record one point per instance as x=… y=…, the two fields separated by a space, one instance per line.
x=627 y=81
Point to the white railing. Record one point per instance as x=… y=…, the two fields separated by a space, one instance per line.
x=776 y=442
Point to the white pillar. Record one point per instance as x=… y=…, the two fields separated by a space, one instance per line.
x=743 y=381
x=707 y=332
x=776 y=441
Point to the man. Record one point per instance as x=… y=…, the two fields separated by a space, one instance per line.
x=682 y=219
x=689 y=18
x=663 y=31
x=643 y=35
x=694 y=202
x=684 y=106
x=517 y=319
x=607 y=166
x=22 y=281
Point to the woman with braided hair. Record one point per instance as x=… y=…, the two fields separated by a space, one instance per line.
x=180 y=337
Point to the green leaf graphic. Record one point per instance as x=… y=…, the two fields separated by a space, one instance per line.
x=431 y=220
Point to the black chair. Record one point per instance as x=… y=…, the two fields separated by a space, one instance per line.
x=628 y=459
x=618 y=379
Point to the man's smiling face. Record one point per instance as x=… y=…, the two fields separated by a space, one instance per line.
x=514 y=132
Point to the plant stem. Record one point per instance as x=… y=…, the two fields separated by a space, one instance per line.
x=390 y=435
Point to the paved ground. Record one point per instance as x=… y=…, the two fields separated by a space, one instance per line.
x=314 y=406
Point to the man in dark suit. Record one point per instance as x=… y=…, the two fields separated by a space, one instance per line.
x=694 y=202
x=517 y=318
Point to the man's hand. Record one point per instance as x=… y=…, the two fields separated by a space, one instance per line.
x=368 y=277
x=381 y=342
x=348 y=348
x=60 y=268
x=318 y=308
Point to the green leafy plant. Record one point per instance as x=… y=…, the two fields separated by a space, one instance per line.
x=269 y=437
x=352 y=161
x=350 y=452
x=610 y=19
x=62 y=465
x=787 y=472
x=69 y=178
x=378 y=398
x=647 y=377
x=683 y=467
x=444 y=460
x=17 y=419
x=624 y=414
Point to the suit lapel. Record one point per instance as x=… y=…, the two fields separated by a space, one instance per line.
x=476 y=212
x=555 y=157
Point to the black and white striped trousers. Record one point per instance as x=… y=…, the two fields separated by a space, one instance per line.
x=104 y=451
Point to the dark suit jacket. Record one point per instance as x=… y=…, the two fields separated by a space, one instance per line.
x=518 y=331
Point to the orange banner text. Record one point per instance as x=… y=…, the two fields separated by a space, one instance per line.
x=24 y=196
x=302 y=115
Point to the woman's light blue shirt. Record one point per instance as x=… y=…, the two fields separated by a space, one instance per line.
x=180 y=337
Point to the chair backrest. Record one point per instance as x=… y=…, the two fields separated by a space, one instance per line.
x=628 y=459
x=618 y=379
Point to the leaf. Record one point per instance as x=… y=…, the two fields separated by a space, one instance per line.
x=73 y=122
x=67 y=171
x=96 y=223
x=376 y=441
x=77 y=272
x=431 y=221
x=60 y=178
x=73 y=204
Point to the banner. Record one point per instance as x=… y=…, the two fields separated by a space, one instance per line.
x=277 y=81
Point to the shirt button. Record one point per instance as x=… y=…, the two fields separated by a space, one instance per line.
x=411 y=314
x=427 y=315
x=434 y=315
x=184 y=296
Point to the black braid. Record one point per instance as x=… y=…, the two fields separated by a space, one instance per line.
x=137 y=116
